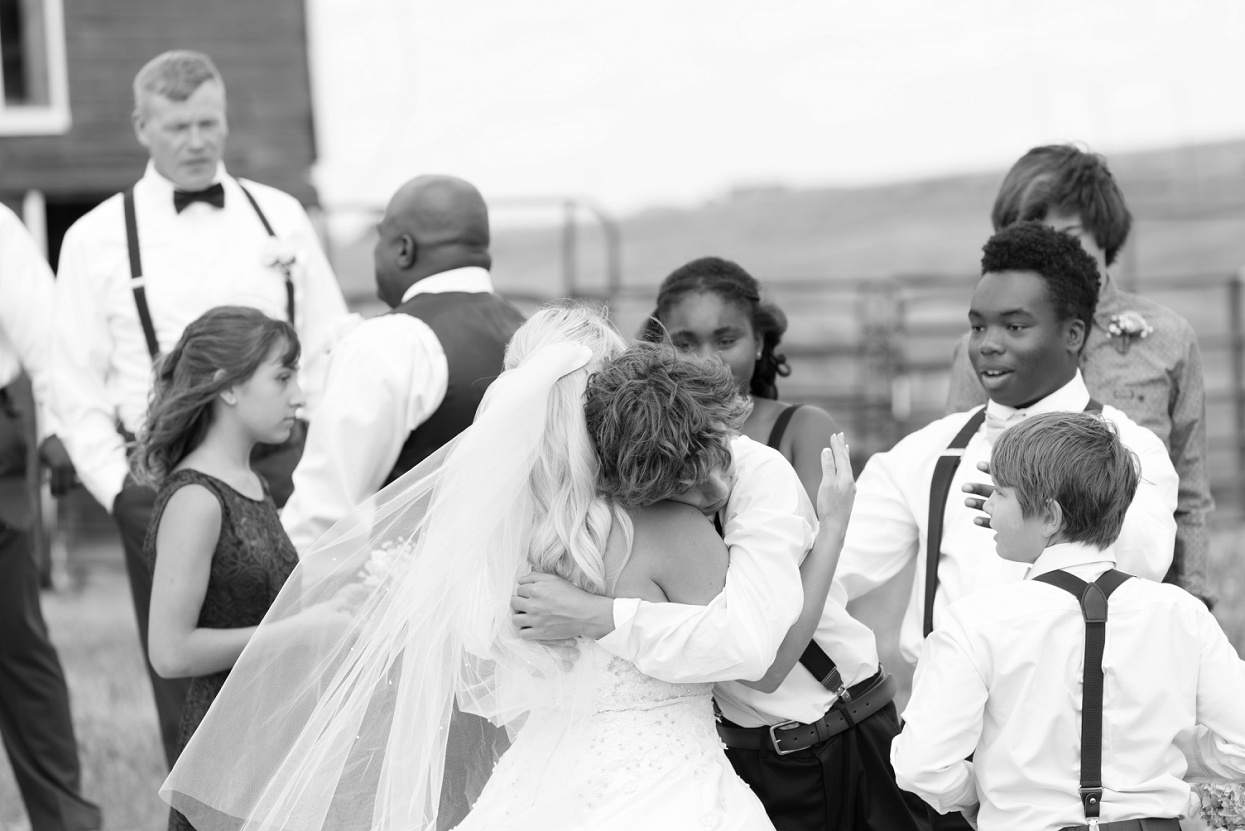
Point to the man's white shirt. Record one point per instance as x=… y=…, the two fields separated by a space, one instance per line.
x=26 y=310
x=385 y=378
x=890 y=517
x=192 y=261
x=1001 y=678
x=768 y=526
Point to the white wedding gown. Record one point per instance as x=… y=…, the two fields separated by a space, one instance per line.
x=648 y=757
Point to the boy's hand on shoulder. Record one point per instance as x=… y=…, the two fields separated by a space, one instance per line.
x=980 y=493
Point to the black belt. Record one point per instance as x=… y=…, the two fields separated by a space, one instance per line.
x=863 y=700
x=1149 y=824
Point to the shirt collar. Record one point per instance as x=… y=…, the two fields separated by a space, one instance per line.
x=1070 y=555
x=1070 y=398
x=153 y=178
x=471 y=279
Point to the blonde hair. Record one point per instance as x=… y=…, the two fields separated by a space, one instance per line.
x=571 y=523
x=175 y=75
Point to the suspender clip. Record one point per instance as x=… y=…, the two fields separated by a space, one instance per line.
x=1092 y=824
x=834 y=683
x=1091 y=801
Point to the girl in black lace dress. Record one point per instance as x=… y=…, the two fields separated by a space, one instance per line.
x=215 y=544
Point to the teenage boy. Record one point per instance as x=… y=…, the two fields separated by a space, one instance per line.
x=1139 y=356
x=813 y=739
x=1028 y=318
x=1076 y=688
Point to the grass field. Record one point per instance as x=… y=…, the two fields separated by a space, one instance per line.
x=93 y=626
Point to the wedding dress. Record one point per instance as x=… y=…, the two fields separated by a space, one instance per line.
x=649 y=758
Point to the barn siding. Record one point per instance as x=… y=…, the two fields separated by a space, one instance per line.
x=261 y=50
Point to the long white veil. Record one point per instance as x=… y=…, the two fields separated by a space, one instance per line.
x=340 y=714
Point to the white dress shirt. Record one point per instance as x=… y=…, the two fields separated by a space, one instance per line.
x=890 y=517
x=26 y=309
x=768 y=525
x=385 y=378
x=1001 y=678
x=193 y=261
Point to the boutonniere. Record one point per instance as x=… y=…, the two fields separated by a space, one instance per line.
x=281 y=255
x=1127 y=327
x=1223 y=806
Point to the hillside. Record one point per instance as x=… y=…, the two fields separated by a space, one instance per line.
x=1189 y=204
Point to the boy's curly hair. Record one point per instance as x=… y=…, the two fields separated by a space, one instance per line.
x=660 y=422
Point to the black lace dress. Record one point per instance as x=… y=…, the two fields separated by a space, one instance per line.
x=252 y=560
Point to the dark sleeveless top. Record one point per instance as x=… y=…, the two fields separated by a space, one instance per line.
x=473 y=328
x=252 y=560
x=780 y=425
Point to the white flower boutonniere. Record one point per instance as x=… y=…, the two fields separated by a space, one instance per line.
x=1127 y=327
x=281 y=255
x=1223 y=806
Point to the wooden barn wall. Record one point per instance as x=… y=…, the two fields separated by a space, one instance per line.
x=261 y=51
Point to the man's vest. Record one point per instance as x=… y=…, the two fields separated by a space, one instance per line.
x=473 y=328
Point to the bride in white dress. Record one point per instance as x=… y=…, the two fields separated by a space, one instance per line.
x=344 y=712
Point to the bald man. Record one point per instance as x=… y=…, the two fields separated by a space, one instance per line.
x=402 y=385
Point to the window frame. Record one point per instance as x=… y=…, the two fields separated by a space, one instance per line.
x=53 y=117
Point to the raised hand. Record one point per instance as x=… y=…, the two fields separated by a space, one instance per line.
x=837 y=491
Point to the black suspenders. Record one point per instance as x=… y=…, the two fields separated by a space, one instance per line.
x=1093 y=600
x=138 y=282
x=939 y=489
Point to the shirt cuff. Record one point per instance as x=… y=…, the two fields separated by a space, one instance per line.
x=625 y=609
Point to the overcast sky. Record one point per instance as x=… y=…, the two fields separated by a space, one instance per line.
x=672 y=101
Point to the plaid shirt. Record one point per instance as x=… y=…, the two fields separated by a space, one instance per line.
x=1157 y=381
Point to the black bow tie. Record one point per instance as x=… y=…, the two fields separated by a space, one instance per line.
x=214 y=195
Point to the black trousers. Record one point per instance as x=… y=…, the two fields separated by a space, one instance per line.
x=844 y=783
x=35 y=720
x=132 y=513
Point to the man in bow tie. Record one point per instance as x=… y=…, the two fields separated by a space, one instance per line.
x=142 y=265
x=1028 y=319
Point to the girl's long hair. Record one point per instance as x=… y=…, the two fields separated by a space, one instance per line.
x=222 y=347
x=572 y=522
x=728 y=280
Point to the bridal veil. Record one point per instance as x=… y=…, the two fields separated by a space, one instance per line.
x=359 y=704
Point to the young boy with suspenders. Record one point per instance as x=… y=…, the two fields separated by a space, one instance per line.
x=1028 y=318
x=1067 y=700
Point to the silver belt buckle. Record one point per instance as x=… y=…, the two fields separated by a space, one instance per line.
x=774 y=738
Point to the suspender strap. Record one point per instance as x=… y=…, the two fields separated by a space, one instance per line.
x=939 y=488
x=289 y=284
x=136 y=275
x=1093 y=600
x=780 y=425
